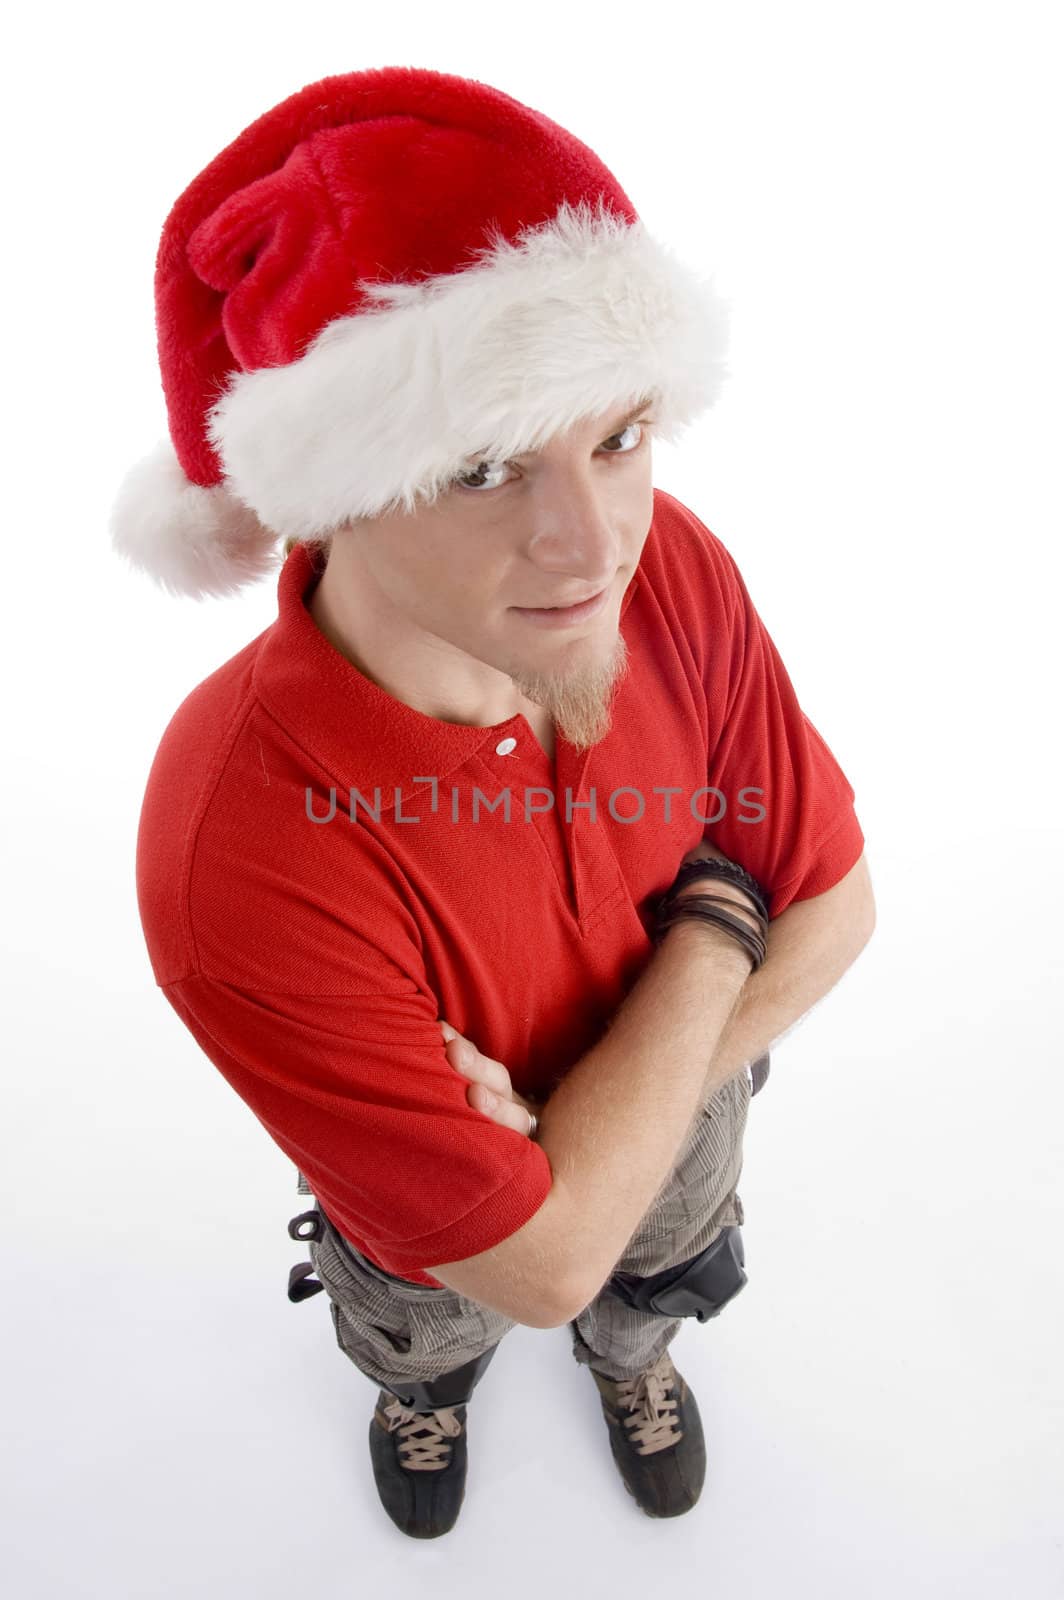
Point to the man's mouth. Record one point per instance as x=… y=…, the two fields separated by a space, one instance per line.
x=565 y=614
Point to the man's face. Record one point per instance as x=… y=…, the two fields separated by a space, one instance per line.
x=543 y=530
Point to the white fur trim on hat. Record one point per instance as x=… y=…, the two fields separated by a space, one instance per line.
x=583 y=314
x=192 y=540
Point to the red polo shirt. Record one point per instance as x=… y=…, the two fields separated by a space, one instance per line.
x=317 y=888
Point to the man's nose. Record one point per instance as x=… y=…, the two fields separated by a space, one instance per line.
x=573 y=532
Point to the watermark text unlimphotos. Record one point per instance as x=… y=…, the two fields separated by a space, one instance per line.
x=620 y=809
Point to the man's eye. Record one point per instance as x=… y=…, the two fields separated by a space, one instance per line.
x=462 y=479
x=483 y=469
x=629 y=429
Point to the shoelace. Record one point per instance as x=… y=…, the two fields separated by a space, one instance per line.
x=423 y=1435
x=656 y=1425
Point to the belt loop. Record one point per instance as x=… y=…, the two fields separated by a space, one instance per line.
x=300 y=1284
x=314 y=1218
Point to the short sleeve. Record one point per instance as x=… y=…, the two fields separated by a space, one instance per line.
x=787 y=806
x=357 y=1091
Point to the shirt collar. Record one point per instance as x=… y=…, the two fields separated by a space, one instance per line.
x=362 y=736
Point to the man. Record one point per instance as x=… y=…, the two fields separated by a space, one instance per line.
x=417 y=330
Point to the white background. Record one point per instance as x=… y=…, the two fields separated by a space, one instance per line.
x=877 y=189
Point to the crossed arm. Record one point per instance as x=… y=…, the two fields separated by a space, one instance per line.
x=810 y=946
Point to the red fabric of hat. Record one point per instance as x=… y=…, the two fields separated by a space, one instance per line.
x=388 y=276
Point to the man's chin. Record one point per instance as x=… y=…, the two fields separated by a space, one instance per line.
x=578 y=700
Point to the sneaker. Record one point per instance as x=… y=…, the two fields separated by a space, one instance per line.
x=419 y=1463
x=655 y=1437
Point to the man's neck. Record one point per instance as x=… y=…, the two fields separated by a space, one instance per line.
x=323 y=615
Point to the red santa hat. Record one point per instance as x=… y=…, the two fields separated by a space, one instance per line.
x=390 y=276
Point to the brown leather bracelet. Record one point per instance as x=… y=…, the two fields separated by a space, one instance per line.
x=731 y=906
x=674 y=906
x=723 y=871
x=754 y=947
x=701 y=908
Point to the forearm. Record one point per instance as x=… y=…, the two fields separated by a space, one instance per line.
x=809 y=947
x=613 y=1126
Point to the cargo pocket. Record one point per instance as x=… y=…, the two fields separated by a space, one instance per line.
x=368 y=1319
x=361 y=1339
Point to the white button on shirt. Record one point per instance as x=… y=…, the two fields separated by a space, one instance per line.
x=504 y=747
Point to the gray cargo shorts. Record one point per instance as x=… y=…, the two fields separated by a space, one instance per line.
x=394 y=1330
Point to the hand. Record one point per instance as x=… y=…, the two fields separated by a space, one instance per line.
x=490 y=1090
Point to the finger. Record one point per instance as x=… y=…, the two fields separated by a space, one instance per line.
x=479 y=1068
x=505 y=1112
